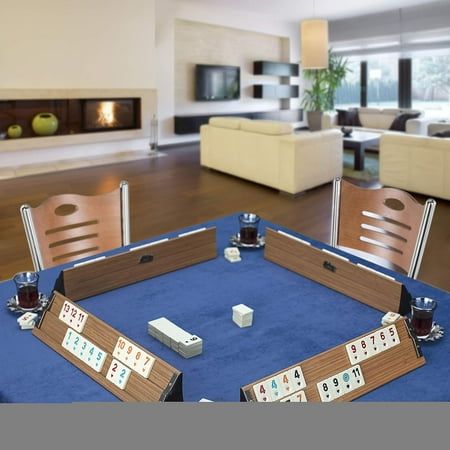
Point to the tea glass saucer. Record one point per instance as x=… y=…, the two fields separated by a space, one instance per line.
x=236 y=241
x=13 y=304
x=436 y=333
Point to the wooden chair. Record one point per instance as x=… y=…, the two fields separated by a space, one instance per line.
x=387 y=223
x=70 y=226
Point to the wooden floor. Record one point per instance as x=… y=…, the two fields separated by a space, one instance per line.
x=172 y=192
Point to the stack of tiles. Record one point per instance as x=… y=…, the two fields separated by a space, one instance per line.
x=27 y=321
x=390 y=318
x=242 y=315
x=232 y=254
x=184 y=343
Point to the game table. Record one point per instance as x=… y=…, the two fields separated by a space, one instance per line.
x=294 y=319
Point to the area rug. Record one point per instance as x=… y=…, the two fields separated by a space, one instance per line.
x=371 y=166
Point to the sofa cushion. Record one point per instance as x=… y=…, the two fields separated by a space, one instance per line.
x=269 y=127
x=234 y=123
x=399 y=123
x=348 y=117
x=369 y=117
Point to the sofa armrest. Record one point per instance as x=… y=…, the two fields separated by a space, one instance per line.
x=416 y=163
x=417 y=126
x=437 y=127
x=329 y=119
x=308 y=160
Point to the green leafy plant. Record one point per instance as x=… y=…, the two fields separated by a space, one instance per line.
x=324 y=83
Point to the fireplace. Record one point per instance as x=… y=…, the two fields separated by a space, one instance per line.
x=110 y=114
x=75 y=115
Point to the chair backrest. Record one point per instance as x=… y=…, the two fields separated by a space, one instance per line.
x=387 y=223
x=70 y=226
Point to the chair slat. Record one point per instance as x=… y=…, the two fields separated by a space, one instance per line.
x=367 y=212
x=56 y=235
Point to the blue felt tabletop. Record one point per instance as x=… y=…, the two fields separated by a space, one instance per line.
x=294 y=318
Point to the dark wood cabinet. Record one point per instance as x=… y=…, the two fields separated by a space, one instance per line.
x=191 y=124
x=278 y=69
x=276 y=91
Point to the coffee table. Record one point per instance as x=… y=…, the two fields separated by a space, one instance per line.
x=359 y=141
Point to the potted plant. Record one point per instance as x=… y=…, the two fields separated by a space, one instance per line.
x=319 y=96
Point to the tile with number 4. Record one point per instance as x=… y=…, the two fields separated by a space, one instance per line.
x=297 y=379
x=275 y=388
x=285 y=384
x=262 y=392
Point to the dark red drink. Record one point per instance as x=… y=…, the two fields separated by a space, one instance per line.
x=28 y=297
x=249 y=235
x=421 y=322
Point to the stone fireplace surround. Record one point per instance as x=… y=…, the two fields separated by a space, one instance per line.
x=17 y=152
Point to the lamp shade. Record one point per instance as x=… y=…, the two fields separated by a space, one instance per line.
x=314 y=44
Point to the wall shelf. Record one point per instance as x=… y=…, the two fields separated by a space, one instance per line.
x=275 y=91
x=275 y=68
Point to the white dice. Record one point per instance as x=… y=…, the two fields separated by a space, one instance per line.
x=242 y=315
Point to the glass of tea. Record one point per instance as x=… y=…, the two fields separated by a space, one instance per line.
x=27 y=289
x=248 y=228
x=422 y=310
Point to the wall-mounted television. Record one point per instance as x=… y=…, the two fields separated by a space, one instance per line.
x=217 y=83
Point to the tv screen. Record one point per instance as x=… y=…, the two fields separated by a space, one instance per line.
x=216 y=83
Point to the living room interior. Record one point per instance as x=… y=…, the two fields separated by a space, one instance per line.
x=146 y=53
x=169 y=131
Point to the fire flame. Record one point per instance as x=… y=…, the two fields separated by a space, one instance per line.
x=106 y=113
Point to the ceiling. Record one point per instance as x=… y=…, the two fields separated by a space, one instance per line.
x=295 y=10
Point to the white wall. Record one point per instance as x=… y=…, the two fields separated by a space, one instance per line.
x=199 y=43
x=167 y=11
x=77 y=44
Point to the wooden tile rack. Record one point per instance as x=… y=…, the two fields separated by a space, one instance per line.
x=136 y=265
x=361 y=283
x=164 y=382
x=377 y=370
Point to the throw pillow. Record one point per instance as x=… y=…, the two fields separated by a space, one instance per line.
x=399 y=123
x=442 y=134
x=348 y=117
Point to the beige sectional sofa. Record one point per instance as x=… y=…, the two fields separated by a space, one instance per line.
x=379 y=120
x=416 y=163
x=269 y=153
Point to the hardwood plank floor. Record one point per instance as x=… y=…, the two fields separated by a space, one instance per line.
x=172 y=192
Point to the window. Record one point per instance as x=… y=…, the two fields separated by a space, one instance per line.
x=431 y=83
x=348 y=95
x=382 y=81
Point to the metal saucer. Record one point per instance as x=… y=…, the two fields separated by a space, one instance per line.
x=13 y=304
x=236 y=241
x=436 y=333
